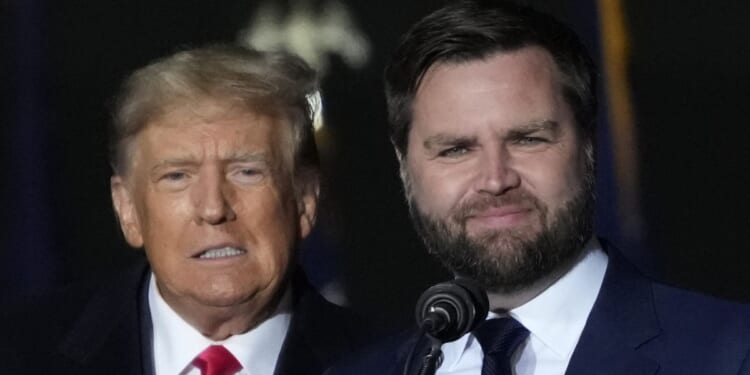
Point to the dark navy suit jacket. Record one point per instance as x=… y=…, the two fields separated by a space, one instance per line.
x=636 y=327
x=106 y=329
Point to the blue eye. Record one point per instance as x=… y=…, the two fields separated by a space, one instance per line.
x=174 y=176
x=530 y=140
x=175 y=180
x=248 y=176
x=453 y=152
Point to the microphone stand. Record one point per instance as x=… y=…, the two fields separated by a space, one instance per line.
x=444 y=313
x=431 y=361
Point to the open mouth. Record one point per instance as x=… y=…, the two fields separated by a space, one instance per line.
x=220 y=252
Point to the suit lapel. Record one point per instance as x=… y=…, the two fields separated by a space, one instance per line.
x=108 y=337
x=303 y=351
x=145 y=327
x=297 y=354
x=319 y=333
x=621 y=320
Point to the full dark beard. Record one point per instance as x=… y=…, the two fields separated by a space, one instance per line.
x=509 y=260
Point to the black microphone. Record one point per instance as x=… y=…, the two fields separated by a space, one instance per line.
x=449 y=310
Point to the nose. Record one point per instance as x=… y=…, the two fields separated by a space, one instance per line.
x=212 y=202
x=497 y=173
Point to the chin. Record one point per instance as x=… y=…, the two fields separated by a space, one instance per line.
x=214 y=299
x=226 y=293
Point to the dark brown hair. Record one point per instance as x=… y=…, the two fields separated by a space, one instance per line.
x=474 y=30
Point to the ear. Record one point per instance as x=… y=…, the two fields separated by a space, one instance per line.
x=401 y=165
x=307 y=203
x=122 y=199
x=399 y=156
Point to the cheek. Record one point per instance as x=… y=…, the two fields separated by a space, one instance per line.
x=436 y=189
x=572 y=172
x=556 y=182
x=165 y=217
x=270 y=220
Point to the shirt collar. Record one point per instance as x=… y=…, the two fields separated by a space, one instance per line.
x=176 y=342
x=557 y=316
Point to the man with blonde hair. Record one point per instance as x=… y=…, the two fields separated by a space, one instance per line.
x=216 y=178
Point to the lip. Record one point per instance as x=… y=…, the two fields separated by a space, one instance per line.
x=504 y=216
x=500 y=211
x=197 y=254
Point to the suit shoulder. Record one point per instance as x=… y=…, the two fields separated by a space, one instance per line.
x=33 y=326
x=45 y=313
x=385 y=356
x=320 y=333
x=689 y=315
x=340 y=325
x=696 y=304
x=37 y=325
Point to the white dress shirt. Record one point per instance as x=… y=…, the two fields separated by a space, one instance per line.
x=555 y=319
x=176 y=343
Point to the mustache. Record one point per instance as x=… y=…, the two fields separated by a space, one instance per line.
x=475 y=205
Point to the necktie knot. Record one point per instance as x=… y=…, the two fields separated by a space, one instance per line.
x=217 y=360
x=499 y=338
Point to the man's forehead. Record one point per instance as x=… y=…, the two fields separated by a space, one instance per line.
x=526 y=79
x=183 y=111
x=182 y=137
x=187 y=157
x=471 y=135
x=534 y=58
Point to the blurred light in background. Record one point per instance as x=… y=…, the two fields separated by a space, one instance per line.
x=317 y=34
x=615 y=60
x=316 y=105
x=314 y=34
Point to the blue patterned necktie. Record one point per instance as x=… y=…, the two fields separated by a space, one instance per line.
x=499 y=338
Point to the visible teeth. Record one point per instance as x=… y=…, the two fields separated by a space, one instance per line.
x=220 y=253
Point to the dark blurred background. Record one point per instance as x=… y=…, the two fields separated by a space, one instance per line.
x=674 y=135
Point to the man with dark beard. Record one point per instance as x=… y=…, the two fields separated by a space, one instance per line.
x=492 y=111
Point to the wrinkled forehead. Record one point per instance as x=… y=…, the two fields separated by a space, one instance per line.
x=533 y=61
x=179 y=118
x=212 y=109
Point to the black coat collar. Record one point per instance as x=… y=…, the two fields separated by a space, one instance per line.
x=114 y=330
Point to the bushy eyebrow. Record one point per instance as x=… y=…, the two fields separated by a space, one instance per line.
x=247 y=157
x=174 y=162
x=441 y=140
x=533 y=127
x=242 y=157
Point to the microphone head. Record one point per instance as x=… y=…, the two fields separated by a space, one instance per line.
x=448 y=310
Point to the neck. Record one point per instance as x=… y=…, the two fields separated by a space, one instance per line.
x=218 y=323
x=501 y=301
x=222 y=323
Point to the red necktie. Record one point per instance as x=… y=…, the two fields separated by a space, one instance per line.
x=217 y=360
